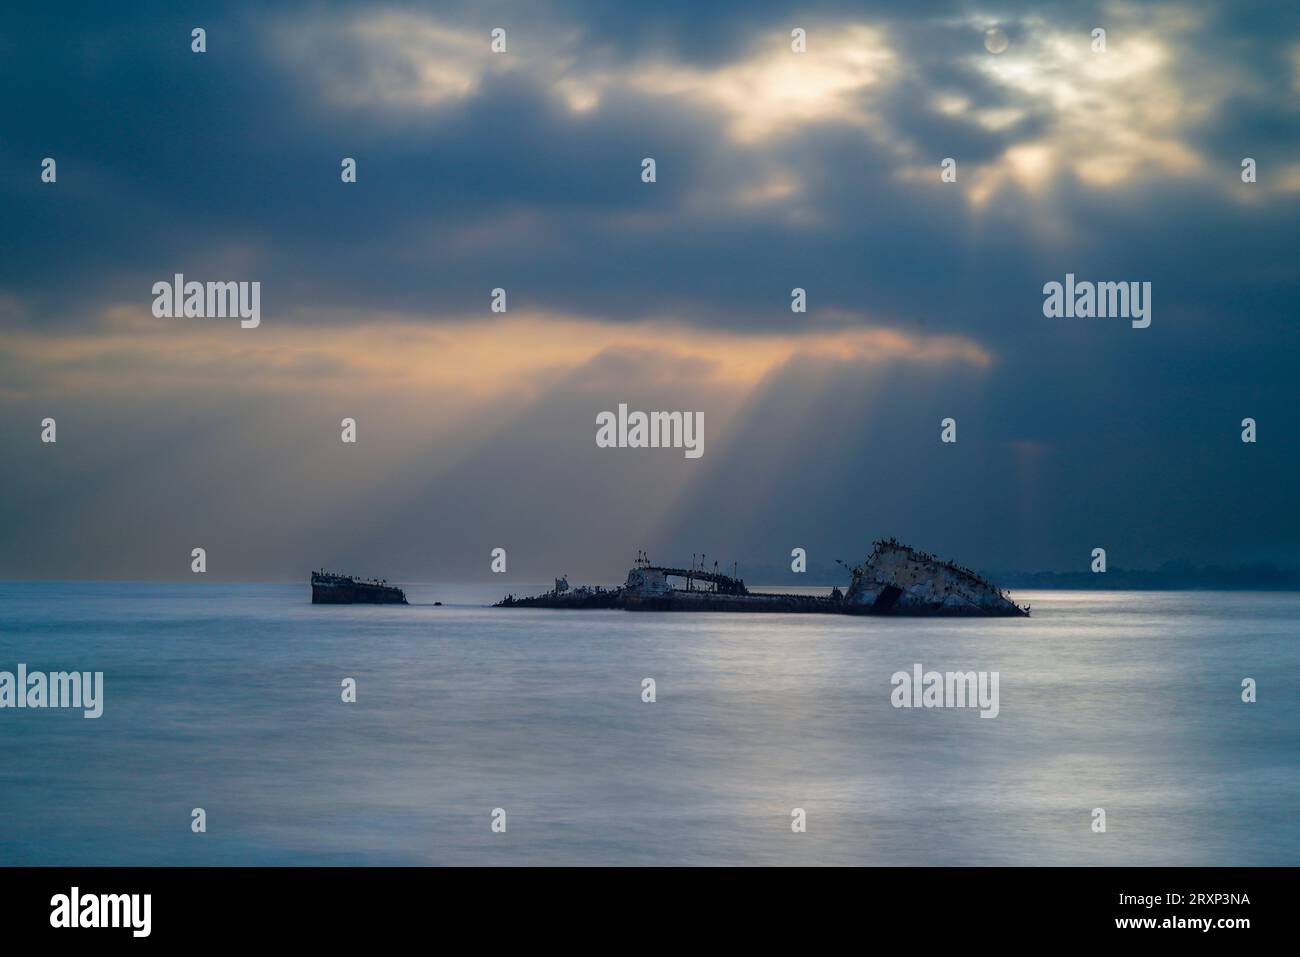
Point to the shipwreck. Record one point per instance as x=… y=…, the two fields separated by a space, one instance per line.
x=328 y=588
x=895 y=580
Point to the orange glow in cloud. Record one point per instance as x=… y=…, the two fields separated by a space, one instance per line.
x=472 y=359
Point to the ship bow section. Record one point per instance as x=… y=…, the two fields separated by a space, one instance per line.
x=899 y=580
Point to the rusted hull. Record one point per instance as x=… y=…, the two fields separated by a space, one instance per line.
x=356 y=595
x=604 y=600
x=743 y=604
x=933 y=611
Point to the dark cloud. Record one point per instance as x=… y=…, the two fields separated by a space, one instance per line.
x=226 y=165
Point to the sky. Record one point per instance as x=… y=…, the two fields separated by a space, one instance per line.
x=522 y=170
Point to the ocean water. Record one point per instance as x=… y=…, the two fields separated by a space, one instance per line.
x=228 y=697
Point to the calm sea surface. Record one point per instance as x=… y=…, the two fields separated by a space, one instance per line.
x=227 y=697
